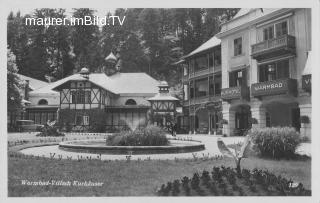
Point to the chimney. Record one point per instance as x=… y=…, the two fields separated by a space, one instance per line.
x=26 y=90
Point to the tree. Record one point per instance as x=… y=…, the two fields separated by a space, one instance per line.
x=58 y=46
x=85 y=40
x=13 y=83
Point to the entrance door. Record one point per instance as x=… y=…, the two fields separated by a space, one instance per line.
x=295 y=118
x=242 y=120
x=213 y=122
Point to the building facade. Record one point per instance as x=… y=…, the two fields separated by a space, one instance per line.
x=202 y=79
x=94 y=102
x=264 y=57
x=31 y=105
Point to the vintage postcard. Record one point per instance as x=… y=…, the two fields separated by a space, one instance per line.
x=157 y=101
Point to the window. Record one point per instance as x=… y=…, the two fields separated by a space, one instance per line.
x=82 y=120
x=237 y=46
x=211 y=86
x=201 y=63
x=273 y=71
x=237 y=78
x=281 y=29
x=43 y=102
x=268 y=33
x=85 y=120
x=217 y=57
x=191 y=65
x=211 y=60
x=185 y=70
x=81 y=97
x=275 y=30
x=215 y=85
x=191 y=89
x=131 y=102
x=201 y=87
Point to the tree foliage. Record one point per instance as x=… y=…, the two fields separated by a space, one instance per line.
x=150 y=40
x=13 y=83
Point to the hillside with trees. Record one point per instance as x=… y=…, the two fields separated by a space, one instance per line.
x=150 y=40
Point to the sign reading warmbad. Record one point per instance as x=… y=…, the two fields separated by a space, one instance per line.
x=239 y=92
x=231 y=93
x=306 y=82
x=284 y=86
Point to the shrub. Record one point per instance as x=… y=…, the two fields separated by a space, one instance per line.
x=50 y=131
x=97 y=128
x=280 y=142
x=149 y=136
x=304 y=119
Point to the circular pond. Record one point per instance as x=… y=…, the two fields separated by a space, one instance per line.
x=100 y=147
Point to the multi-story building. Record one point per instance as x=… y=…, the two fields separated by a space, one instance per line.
x=264 y=56
x=201 y=78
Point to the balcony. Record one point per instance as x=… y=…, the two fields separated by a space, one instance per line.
x=199 y=100
x=274 y=47
x=239 y=92
x=201 y=72
x=202 y=100
x=286 y=86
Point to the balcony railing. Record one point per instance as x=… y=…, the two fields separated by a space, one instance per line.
x=239 y=92
x=276 y=87
x=201 y=100
x=274 y=47
x=201 y=72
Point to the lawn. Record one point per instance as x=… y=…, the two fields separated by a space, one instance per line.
x=121 y=178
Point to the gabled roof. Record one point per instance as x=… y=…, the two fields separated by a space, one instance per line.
x=242 y=11
x=212 y=42
x=33 y=83
x=123 y=83
x=259 y=13
x=119 y=83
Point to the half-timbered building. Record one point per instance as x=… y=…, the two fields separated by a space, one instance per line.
x=95 y=101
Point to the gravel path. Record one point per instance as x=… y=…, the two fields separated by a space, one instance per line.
x=210 y=142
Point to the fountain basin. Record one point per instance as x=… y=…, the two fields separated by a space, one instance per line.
x=100 y=147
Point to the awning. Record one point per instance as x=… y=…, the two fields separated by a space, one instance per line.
x=307 y=68
x=306 y=74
